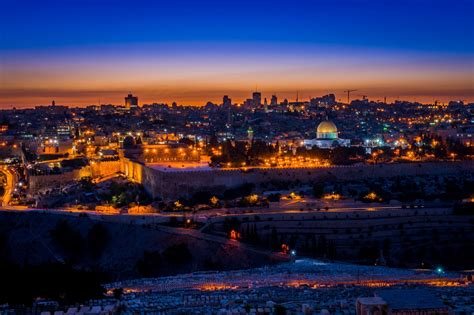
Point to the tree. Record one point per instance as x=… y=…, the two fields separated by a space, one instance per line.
x=318 y=190
x=201 y=197
x=129 y=142
x=68 y=239
x=213 y=143
x=274 y=239
x=118 y=292
x=150 y=264
x=186 y=141
x=274 y=197
x=231 y=224
x=214 y=201
x=86 y=183
x=177 y=254
x=97 y=239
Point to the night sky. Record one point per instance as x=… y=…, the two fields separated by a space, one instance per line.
x=78 y=52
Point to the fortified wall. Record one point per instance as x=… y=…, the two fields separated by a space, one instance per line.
x=173 y=184
x=176 y=183
x=37 y=183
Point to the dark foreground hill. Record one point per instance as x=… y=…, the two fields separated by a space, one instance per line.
x=119 y=249
x=67 y=257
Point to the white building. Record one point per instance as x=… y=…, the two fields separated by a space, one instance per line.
x=327 y=137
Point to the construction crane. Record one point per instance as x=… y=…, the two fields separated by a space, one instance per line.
x=349 y=94
x=364 y=97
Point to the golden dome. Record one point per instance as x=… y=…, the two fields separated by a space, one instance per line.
x=326 y=130
x=327 y=126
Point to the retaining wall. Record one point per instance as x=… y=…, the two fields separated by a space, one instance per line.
x=174 y=183
x=37 y=183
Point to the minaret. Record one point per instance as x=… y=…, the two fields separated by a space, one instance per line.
x=250 y=134
x=229 y=116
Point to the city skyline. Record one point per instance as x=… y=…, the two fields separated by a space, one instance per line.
x=237 y=157
x=199 y=53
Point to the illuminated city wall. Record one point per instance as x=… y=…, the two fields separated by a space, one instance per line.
x=104 y=168
x=174 y=184
x=94 y=170
x=138 y=172
x=45 y=182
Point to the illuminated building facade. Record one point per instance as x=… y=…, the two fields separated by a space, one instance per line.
x=161 y=153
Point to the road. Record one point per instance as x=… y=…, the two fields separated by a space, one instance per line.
x=203 y=216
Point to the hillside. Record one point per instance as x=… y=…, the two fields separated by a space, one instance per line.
x=121 y=250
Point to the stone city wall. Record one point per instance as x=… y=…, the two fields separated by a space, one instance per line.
x=104 y=168
x=174 y=183
x=38 y=183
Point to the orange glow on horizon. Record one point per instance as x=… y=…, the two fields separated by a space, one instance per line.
x=194 y=76
x=20 y=101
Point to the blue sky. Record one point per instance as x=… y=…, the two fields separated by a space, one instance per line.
x=408 y=25
x=42 y=33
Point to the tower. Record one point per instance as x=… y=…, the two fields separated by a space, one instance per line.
x=257 y=98
x=131 y=101
x=226 y=101
x=250 y=134
x=274 y=100
x=229 y=116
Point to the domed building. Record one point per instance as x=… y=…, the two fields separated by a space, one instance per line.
x=327 y=137
x=326 y=130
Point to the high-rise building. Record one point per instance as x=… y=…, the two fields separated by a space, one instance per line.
x=131 y=101
x=274 y=100
x=226 y=100
x=257 y=98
